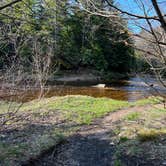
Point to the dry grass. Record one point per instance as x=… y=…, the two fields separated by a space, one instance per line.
x=141 y=135
x=47 y=121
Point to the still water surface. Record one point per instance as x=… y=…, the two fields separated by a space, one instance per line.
x=129 y=90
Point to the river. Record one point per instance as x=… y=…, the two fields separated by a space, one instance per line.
x=129 y=90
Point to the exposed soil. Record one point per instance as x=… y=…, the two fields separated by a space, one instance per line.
x=92 y=146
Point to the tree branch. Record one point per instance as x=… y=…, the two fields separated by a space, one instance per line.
x=133 y=15
x=9 y=4
x=158 y=11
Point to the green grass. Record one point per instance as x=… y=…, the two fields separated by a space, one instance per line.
x=75 y=109
x=78 y=109
x=44 y=114
x=150 y=100
x=133 y=116
x=143 y=124
x=142 y=134
x=83 y=109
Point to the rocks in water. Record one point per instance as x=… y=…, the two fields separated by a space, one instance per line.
x=100 y=86
x=164 y=162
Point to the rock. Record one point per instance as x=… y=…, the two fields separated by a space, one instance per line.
x=112 y=143
x=100 y=86
x=164 y=162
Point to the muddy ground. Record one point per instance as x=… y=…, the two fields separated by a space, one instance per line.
x=92 y=146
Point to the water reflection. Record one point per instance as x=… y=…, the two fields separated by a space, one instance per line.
x=129 y=90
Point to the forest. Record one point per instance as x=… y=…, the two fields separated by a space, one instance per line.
x=82 y=82
x=66 y=37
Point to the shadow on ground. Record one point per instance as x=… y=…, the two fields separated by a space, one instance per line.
x=78 y=151
x=89 y=150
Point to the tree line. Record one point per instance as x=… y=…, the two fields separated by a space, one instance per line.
x=44 y=35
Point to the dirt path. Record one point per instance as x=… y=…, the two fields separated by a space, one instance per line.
x=90 y=146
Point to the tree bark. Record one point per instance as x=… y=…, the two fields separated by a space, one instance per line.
x=158 y=11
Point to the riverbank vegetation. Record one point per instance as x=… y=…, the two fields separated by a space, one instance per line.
x=41 y=124
x=60 y=36
x=45 y=43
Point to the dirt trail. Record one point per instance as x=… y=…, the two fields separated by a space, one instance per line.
x=90 y=146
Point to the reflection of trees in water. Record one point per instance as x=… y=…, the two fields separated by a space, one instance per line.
x=129 y=90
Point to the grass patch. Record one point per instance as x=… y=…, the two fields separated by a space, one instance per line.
x=141 y=135
x=32 y=138
x=6 y=106
x=123 y=139
x=42 y=133
x=83 y=109
x=149 y=100
x=79 y=109
x=133 y=116
x=150 y=134
x=145 y=125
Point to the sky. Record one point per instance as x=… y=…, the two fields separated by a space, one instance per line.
x=134 y=6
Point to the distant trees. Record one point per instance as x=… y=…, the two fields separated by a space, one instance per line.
x=152 y=15
x=91 y=40
x=77 y=38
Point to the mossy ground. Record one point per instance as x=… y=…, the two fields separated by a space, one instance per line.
x=40 y=125
x=141 y=136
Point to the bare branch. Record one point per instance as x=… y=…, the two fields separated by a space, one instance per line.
x=133 y=15
x=158 y=11
x=9 y=4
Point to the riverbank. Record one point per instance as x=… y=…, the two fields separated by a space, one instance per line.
x=131 y=89
x=40 y=125
x=85 y=77
x=124 y=138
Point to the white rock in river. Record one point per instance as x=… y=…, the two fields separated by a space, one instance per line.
x=164 y=163
x=100 y=86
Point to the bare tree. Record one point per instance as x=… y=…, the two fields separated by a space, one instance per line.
x=13 y=80
x=42 y=54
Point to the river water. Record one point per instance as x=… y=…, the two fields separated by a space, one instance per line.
x=129 y=90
